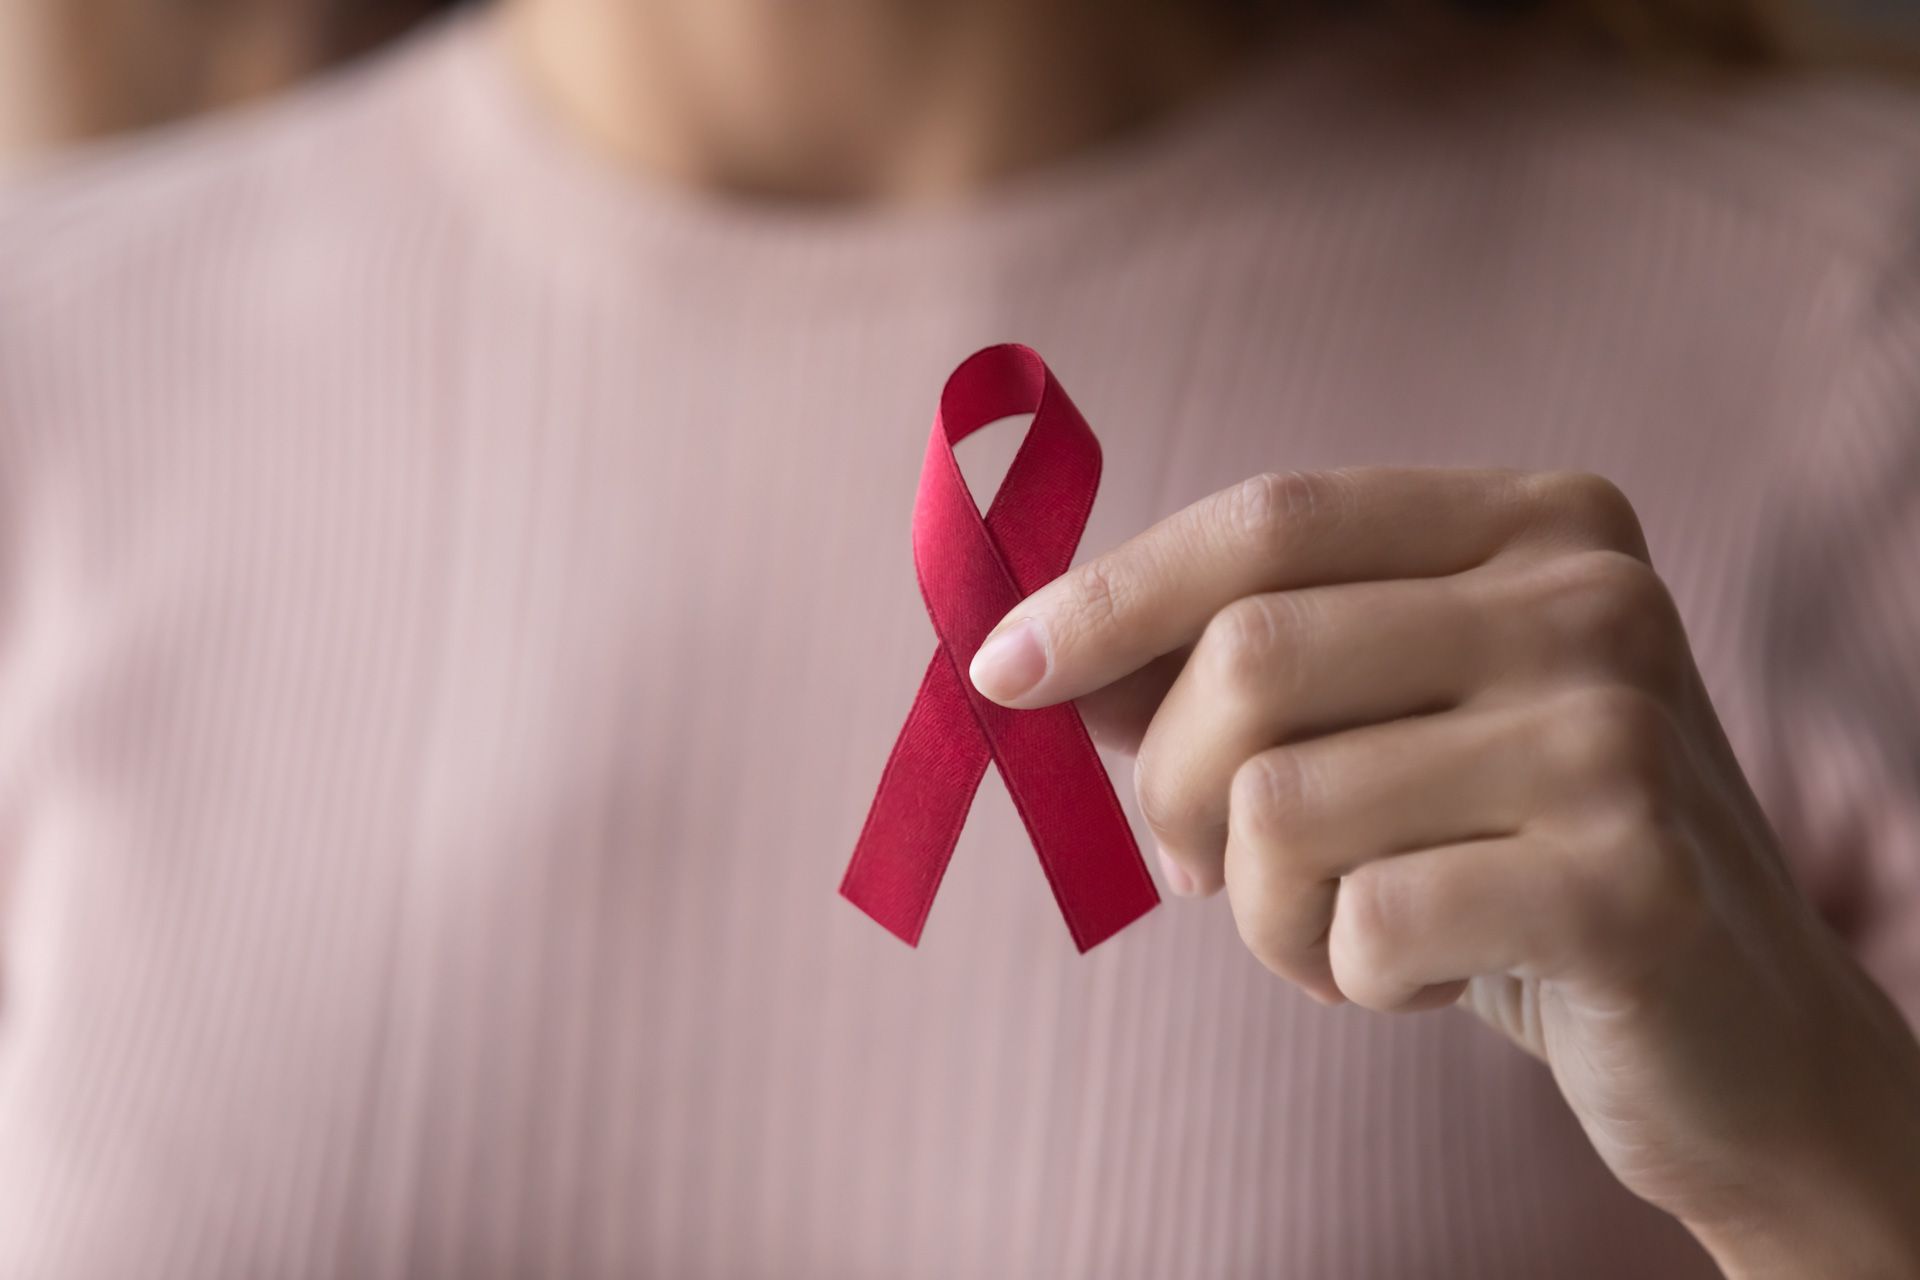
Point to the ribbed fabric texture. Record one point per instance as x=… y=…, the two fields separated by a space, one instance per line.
x=455 y=602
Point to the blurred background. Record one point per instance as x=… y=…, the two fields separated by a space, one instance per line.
x=74 y=69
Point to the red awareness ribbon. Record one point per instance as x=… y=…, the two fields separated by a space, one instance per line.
x=972 y=572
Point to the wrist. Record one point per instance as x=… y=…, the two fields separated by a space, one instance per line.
x=1852 y=1242
x=1843 y=1203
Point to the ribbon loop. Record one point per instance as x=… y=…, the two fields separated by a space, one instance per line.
x=972 y=571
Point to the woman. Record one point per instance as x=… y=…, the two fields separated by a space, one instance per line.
x=457 y=605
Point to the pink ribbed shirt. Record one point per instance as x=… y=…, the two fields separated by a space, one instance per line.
x=455 y=602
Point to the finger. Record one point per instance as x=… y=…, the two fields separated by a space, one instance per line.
x=1275 y=668
x=1302 y=817
x=1408 y=932
x=1118 y=715
x=1155 y=593
x=1280 y=667
x=1598 y=903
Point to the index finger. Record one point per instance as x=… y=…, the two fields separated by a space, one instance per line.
x=1156 y=592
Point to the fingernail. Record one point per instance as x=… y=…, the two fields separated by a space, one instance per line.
x=1177 y=878
x=1010 y=663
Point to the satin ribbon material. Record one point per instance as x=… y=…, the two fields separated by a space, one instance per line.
x=973 y=571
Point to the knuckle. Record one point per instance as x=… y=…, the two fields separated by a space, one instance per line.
x=1269 y=794
x=1612 y=610
x=1368 y=922
x=1257 y=920
x=1241 y=648
x=1639 y=886
x=1617 y=742
x=1592 y=507
x=1267 y=920
x=1253 y=892
x=1094 y=597
x=1584 y=924
x=1266 y=508
x=1661 y=888
x=1162 y=806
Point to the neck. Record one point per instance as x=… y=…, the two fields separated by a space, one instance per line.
x=860 y=99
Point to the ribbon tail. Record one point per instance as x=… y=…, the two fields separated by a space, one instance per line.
x=921 y=805
x=1060 y=788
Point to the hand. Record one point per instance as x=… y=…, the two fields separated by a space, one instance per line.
x=1440 y=737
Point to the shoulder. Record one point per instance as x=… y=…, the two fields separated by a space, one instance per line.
x=1827 y=155
x=149 y=284
x=1819 y=173
x=1792 y=191
x=105 y=222
x=1823 y=168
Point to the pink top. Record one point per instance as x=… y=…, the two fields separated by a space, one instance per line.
x=455 y=601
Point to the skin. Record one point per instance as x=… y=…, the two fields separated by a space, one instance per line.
x=1440 y=738
x=77 y=69
x=860 y=100
x=1437 y=734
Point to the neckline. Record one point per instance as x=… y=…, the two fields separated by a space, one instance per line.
x=516 y=164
